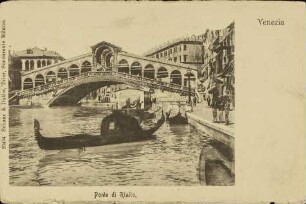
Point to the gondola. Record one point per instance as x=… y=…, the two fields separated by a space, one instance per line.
x=177 y=119
x=116 y=128
x=216 y=165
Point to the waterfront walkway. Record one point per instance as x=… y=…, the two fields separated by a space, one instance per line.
x=203 y=114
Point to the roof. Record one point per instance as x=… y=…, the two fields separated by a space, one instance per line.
x=105 y=43
x=186 y=40
x=37 y=52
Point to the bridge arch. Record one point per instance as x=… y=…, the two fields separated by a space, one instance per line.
x=39 y=80
x=86 y=66
x=123 y=66
x=136 y=69
x=149 y=71
x=74 y=70
x=27 y=83
x=50 y=77
x=162 y=73
x=62 y=73
x=176 y=77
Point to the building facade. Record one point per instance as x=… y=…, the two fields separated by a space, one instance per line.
x=217 y=74
x=185 y=50
x=27 y=60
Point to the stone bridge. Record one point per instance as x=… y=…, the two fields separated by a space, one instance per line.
x=66 y=82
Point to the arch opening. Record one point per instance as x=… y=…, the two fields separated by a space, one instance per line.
x=123 y=66
x=39 y=80
x=27 y=65
x=136 y=69
x=86 y=67
x=28 y=83
x=149 y=72
x=162 y=74
x=74 y=70
x=104 y=58
x=192 y=80
x=62 y=73
x=31 y=64
x=38 y=64
x=51 y=77
x=176 y=77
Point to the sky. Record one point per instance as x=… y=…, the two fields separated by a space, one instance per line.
x=70 y=28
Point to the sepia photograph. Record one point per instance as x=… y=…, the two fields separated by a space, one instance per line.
x=152 y=102
x=109 y=115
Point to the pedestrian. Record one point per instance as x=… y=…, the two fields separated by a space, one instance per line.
x=221 y=109
x=226 y=110
x=214 y=110
x=208 y=101
x=194 y=101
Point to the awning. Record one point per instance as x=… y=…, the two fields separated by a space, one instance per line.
x=206 y=83
x=229 y=70
x=217 y=80
x=212 y=89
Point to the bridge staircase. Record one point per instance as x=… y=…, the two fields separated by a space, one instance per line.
x=13 y=97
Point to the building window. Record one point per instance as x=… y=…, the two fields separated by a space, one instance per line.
x=175 y=59
x=174 y=50
x=185 y=47
x=185 y=58
x=170 y=51
x=157 y=56
x=180 y=48
x=180 y=59
x=165 y=53
x=161 y=54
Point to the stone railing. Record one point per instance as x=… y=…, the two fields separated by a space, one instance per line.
x=120 y=76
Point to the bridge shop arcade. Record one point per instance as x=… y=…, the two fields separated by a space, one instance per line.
x=106 y=57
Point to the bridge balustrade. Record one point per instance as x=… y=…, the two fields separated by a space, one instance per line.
x=74 y=80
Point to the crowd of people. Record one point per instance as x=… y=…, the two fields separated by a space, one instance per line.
x=220 y=107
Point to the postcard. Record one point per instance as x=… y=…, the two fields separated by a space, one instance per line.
x=152 y=102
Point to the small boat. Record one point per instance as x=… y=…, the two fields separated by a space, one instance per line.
x=217 y=164
x=116 y=128
x=177 y=119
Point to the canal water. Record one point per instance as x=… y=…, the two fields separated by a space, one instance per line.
x=170 y=159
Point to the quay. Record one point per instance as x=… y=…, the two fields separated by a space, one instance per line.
x=217 y=161
x=201 y=118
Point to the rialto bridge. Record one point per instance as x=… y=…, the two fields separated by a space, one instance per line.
x=67 y=82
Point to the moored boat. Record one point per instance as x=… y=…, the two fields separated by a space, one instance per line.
x=177 y=119
x=116 y=128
